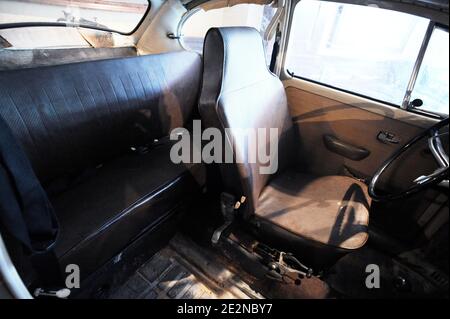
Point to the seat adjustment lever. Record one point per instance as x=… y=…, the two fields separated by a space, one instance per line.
x=228 y=207
x=283 y=267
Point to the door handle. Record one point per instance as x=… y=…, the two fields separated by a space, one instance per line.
x=345 y=149
x=388 y=138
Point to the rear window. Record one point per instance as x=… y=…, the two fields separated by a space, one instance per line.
x=199 y=22
x=117 y=15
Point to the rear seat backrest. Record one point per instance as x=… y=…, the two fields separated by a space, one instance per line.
x=72 y=117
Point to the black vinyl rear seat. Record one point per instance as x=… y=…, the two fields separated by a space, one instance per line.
x=77 y=124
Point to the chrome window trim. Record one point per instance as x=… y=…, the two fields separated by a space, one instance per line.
x=417 y=65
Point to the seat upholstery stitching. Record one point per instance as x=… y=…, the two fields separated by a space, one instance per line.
x=33 y=142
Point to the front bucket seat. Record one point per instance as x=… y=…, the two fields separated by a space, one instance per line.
x=319 y=219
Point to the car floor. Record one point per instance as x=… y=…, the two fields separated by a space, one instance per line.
x=186 y=269
x=183 y=270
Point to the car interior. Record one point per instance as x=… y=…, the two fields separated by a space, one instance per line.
x=95 y=95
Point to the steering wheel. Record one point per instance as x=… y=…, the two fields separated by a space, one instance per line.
x=422 y=182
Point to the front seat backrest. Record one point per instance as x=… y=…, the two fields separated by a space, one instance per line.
x=240 y=93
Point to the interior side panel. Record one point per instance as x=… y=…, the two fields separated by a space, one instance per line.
x=317 y=117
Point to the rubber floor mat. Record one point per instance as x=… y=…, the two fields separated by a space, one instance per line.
x=170 y=275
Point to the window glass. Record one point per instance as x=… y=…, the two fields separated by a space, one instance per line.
x=117 y=15
x=432 y=82
x=251 y=15
x=365 y=50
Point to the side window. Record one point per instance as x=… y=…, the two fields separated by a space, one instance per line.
x=362 y=49
x=432 y=82
x=194 y=29
x=117 y=15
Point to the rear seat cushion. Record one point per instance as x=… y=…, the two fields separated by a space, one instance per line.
x=100 y=216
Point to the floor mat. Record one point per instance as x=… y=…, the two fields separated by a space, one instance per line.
x=170 y=275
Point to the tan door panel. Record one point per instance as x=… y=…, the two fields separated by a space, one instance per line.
x=318 y=111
